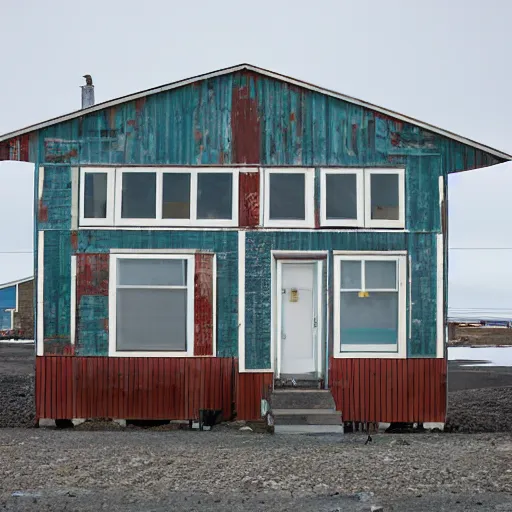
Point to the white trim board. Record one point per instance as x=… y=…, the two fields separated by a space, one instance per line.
x=269 y=74
x=39 y=340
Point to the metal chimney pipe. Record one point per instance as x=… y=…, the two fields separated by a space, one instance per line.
x=87 y=92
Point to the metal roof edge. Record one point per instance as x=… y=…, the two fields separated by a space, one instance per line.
x=17 y=281
x=270 y=74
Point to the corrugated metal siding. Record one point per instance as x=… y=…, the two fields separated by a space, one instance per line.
x=133 y=388
x=251 y=389
x=92 y=311
x=421 y=248
x=249 y=199
x=389 y=390
x=239 y=118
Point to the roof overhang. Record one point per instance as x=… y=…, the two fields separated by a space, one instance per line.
x=18 y=281
x=271 y=74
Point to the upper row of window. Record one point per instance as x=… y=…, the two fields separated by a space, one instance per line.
x=370 y=197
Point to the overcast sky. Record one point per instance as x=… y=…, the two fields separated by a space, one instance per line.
x=444 y=62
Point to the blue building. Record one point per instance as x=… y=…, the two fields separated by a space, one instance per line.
x=17 y=309
x=199 y=242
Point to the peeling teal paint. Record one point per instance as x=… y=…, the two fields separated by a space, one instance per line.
x=196 y=125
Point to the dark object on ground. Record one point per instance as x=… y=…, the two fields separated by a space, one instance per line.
x=62 y=423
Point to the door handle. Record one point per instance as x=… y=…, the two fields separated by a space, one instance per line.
x=283 y=336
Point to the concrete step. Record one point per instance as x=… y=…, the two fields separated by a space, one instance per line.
x=302 y=399
x=308 y=429
x=306 y=417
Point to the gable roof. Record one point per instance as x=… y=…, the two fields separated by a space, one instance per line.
x=267 y=73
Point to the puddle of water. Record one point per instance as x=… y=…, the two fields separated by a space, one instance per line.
x=493 y=356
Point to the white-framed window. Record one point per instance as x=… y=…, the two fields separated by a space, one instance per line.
x=151 y=305
x=370 y=197
x=289 y=197
x=370 y=305
x=147 y=196
x=342 y=192
x=97 y=196
x=384 y=198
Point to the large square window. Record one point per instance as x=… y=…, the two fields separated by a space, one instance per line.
x=152 y=304
x=289 y=197
x=370 y=305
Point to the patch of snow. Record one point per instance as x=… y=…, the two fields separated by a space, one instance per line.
x=19 y=342
x=493 y=356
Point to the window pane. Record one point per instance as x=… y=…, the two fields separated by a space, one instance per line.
x=341 y=196
x=351 y=275
x=214 y=195
x=380 y=274
x=176 y=195
x=287 y=196
x=151 y=319
x=369 y=320
x=139 y=195
x=95 y=195
x=5 y=320
x=384 y=201
x=159 y=272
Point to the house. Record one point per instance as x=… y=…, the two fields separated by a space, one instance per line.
x=17 y=309
x=202 y=242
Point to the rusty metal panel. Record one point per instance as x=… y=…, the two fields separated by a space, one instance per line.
x=133 y=388
x=389 y=390
x=203 y=305
x=245 y=120
x=249 y=199
x=251 y=389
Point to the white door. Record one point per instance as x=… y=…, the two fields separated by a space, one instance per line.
x=299 y=319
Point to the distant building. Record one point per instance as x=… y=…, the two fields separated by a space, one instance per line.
x=17 y=309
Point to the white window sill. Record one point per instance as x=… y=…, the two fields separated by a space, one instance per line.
x=150 y=354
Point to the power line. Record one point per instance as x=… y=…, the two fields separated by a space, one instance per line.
x=480 y=248
x=16 y=252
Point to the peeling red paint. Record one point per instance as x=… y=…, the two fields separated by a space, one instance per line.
x=395 y=139
x=105 y=324
x=58 y=347
x=42 y=213
x=203 y=305
x=249 y=202
x=245 y=125
x=91 y=275
x=74 y=240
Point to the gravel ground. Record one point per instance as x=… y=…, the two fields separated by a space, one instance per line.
x=227 y=470
x=480 y=410
x=16 y=401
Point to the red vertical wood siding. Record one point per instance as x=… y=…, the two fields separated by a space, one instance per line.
x=133 y=388
x=203 y=305
x=250 y=390
x=245 y=123
x=249 y=199
x=389 y=390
